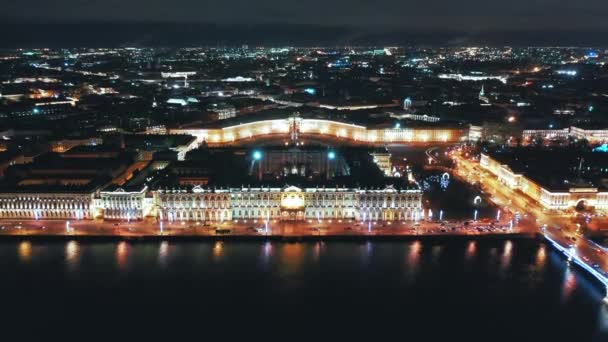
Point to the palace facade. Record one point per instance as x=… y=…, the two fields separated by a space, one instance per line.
x=46 y=205
x=288 y=204
x=335 y=129
x=199 y=204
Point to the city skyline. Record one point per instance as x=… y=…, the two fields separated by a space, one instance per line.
x=407 y=187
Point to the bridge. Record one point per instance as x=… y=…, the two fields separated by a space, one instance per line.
x=577 y=253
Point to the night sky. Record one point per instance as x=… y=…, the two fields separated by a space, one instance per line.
x=193 y=22
x=436 y=14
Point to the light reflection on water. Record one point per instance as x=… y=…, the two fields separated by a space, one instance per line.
x=163 y=253
x=72 y=254
x=413 y=260
x=218 y=250
x=295 y=267
x=505 y=259
x=291 y=257
x=25 y=251
x=541 y=256
x=122 y=254
x=471 y=250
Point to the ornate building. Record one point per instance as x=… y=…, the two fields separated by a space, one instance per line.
x=46 y=205
x=567 y=197
x=288 y=204
x=334 y=129
x=122 y=204
x=198 y=204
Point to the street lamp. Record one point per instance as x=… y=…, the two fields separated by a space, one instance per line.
x=257 y=155
x=331 y=155
x=571 y=253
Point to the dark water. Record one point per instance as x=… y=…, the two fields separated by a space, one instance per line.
x=411 y=291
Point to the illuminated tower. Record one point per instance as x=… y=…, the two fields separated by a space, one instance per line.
x=482 y=96
x=407 y=103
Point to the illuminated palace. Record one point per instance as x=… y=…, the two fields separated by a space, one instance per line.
x=289 y=204
x=343 y=131
x=198 y=204
x=46 y=205
x=561 y=194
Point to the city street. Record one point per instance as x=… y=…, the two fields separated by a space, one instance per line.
x=558 y=227
x=258 y=228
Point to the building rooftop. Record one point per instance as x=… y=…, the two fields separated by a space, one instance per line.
x=558 y=168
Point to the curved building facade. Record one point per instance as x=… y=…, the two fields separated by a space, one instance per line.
x=334 y=129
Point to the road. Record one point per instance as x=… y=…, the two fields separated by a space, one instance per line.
x=558 y=227
x=252 y=228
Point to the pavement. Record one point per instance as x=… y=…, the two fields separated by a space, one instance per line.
x=257 y=228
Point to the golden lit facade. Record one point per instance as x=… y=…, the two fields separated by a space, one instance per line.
x=40 y=206
x=126 y=205
x=289 y=204
x=549 y=199
x=196 y=205
x=199 y=204
x=334 y=129
x=593 y=136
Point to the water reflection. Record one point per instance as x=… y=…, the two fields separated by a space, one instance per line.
x=505 y=259
x=471 y=250
x=413 y=259
x=122 y=253
x=292 y=255
x=568 y=284
x=436 y=253
x=541 y=257
x=25 y=251
x=402 y=273
x=163 y=253
x=72 y=253
x=266 y=254
x=603 y=317
x=366 y=250
x=317 y=250
x=218 y=250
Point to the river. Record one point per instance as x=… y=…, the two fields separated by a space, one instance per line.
x=461 y=290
